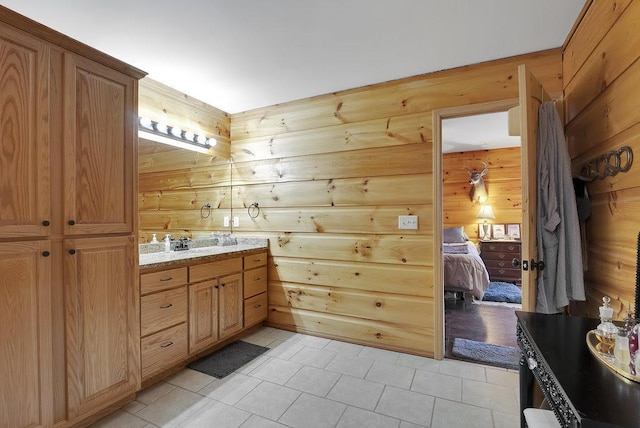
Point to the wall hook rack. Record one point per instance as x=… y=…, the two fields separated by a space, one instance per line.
x=608 y=164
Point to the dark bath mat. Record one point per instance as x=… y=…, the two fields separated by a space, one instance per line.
x=497 y=355
x=225 y=361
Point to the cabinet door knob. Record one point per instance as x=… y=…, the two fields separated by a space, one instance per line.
x=46 y=223
x=46 y=254
x=222 y=285
x=71 y=222
x=72 y=251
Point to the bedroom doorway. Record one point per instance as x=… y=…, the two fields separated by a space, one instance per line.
x=464 y=318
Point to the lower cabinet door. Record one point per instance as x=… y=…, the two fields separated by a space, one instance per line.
x=25 y=334
x=203 y=315
x=102 y=322
x=231 y=305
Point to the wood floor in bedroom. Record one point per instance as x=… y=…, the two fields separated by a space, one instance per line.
x=482 y=323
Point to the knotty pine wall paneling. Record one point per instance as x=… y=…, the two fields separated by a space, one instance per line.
x=602 y=113
x=175 y=183
x=332 y=173
x=503 y=183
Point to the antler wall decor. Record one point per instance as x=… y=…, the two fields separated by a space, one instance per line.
x=478 y=193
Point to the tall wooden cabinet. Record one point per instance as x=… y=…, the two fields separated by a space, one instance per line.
x=70 y=336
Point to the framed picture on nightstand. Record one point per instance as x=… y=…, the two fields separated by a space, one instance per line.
x=513 y=231
x=498 y=231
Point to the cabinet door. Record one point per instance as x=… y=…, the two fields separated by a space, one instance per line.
x=25 y=334
x=203 y=315
x=99 y=154
x=103 y=324
x=25 y=208
x=231 y=305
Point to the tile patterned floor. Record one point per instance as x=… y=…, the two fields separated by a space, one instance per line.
x=306 y=381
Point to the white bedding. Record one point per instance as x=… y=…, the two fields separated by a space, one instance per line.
x=465 y=272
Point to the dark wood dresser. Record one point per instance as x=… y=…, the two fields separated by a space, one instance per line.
x=498 y=258
x=581 y=391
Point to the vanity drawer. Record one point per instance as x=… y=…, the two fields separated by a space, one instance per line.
x=163 y=349
x=161 y=310
x=163 y=280
x=255 y=261
x=212 y=270
x=255 y=309
x=255 y=281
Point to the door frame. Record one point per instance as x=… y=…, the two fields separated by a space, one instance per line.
x=438 y=288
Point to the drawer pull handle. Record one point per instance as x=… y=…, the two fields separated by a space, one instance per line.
x=166 y=279
x=511 y=248
x=257 y=260
x=501 y=264
x=501 y=270
x=257 y=306
x=166 y=306
x=257 y=278
x=501 y=255
x=166 y=345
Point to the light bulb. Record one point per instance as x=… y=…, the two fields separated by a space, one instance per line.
x=212 y=141
x=188 y=135
x=145 y=122
x=201 y=139
x=161 y=127
x=176 y=132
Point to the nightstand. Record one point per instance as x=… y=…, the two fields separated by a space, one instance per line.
x=498 y=257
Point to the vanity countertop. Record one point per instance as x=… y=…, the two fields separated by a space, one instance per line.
x=154 y=260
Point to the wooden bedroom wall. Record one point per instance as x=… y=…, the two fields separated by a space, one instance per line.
x=503 y=182
x=602 y=113
x=331 y=174
x=174 y=183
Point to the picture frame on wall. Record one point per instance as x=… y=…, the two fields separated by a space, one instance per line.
x=513 y=231
x=498 y=231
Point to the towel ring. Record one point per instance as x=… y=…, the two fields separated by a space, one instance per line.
x=253 y=210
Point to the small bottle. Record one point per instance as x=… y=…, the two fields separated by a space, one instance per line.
x=154 y=240
x=167 y=243
x=621 y=348
x=607 y=330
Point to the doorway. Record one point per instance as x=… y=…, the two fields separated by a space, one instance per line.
x=463 y=317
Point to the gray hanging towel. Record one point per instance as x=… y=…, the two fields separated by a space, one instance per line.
x=558 y=229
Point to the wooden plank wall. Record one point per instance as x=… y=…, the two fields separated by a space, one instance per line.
x=175 y=183
x=602 y=113
x=503 y=183
x=331 y=174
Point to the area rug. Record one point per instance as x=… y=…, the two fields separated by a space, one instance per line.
x=502 y=292
x=225 y=361
x=496 y=355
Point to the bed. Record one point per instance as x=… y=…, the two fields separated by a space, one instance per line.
x=464 y=270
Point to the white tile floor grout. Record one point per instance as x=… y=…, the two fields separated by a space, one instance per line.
x=307 y=381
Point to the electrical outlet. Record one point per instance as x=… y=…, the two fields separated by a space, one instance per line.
x=226 y=221
x=236 y=221
x=408 y=222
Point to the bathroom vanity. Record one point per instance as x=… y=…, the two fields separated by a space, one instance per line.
x=197 y=300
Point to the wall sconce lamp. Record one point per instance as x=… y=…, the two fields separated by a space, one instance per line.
x=173 y=135
x=485 y=213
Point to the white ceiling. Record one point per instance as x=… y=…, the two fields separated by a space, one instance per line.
x=239 y=55
x=479 y=132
